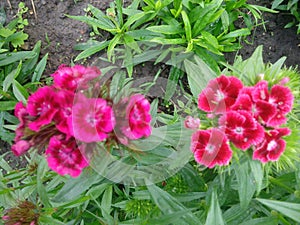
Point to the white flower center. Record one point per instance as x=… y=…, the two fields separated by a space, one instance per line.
x=271 y=145
x=210 y=148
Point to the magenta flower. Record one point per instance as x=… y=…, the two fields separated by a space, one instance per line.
x=69 y=78
x=43 y=105
x=91 y=120
x=66 y=100
x=210 y=147
x=281 y=99
x=137 y=118
x=262 y=111
x=220 y=94
x=241 y=129
x=65 y=157
x=273 y=145
x=20 y=147
x=191 y=123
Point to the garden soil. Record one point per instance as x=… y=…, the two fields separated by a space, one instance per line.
x=59 y=34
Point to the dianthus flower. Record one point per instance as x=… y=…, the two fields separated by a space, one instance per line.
x=273 y=145
x=280 y=97
x=43 y=105
x=210 y=147
x=262 y=111
x=20 y=147
x=91 y=120
x=191 y=123
x=65 y=157
x=66 y=100
x=137 y=119
x=241 y=129
x=70 y=78
x=220 y=94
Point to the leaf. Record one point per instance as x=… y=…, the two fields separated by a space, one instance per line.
x=76 y=186
x=187 y=26
x=39 y=69
x=112 y=44
x=166 y=29
x=174 y=76
x=214 y=215
x=289 y=209
x=101 y=22
x=7 y=105
x=246 y=188
x=92 y=50
x=8 y=58
x=198 y=75
x=236 y=33
x=106 y=201
x=9 y=79
x=261 y=221
x=20 y=92
x=258 y=174
x=134 y=18
x=168 y=204
x=167 y=41
x=41 y=171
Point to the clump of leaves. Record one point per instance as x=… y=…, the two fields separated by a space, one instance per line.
x=12 y=34
x=292 y=6
x=20 y=70
x=152 y=30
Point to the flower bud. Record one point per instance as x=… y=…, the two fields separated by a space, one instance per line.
x=191 y=123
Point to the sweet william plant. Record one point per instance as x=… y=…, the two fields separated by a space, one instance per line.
x=228 y=181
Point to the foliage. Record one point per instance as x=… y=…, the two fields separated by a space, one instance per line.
x=20 y=70
x=293 y=7
x=152 y=30
x=149 y=182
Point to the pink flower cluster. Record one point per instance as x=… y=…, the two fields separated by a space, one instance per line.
x=248 y=117
x=64 y=122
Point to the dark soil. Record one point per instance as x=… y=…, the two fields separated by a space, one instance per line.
x=59 y=34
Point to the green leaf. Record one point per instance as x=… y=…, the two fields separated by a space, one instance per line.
x=41 y=171
x=168 y=204
x=20 y=92
x=214 y=215
x=131 y=43
x=134 y=18
x=9 y=79
x=258 y=174
x=245 y=182
x=174 y=76
x=39 y=69
x=2 y=16
x=187 y=26
x=166 y=29
x=7 y=105
x=261 y=221
x=198 y=75
x=112 y=44
x=289 y=209
x=76 y=186
x=236 y=33
x=101 y=22
x=8 y=58
x=92 y=50
x=166 y=41
x=106 y=201
x=17 y=39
